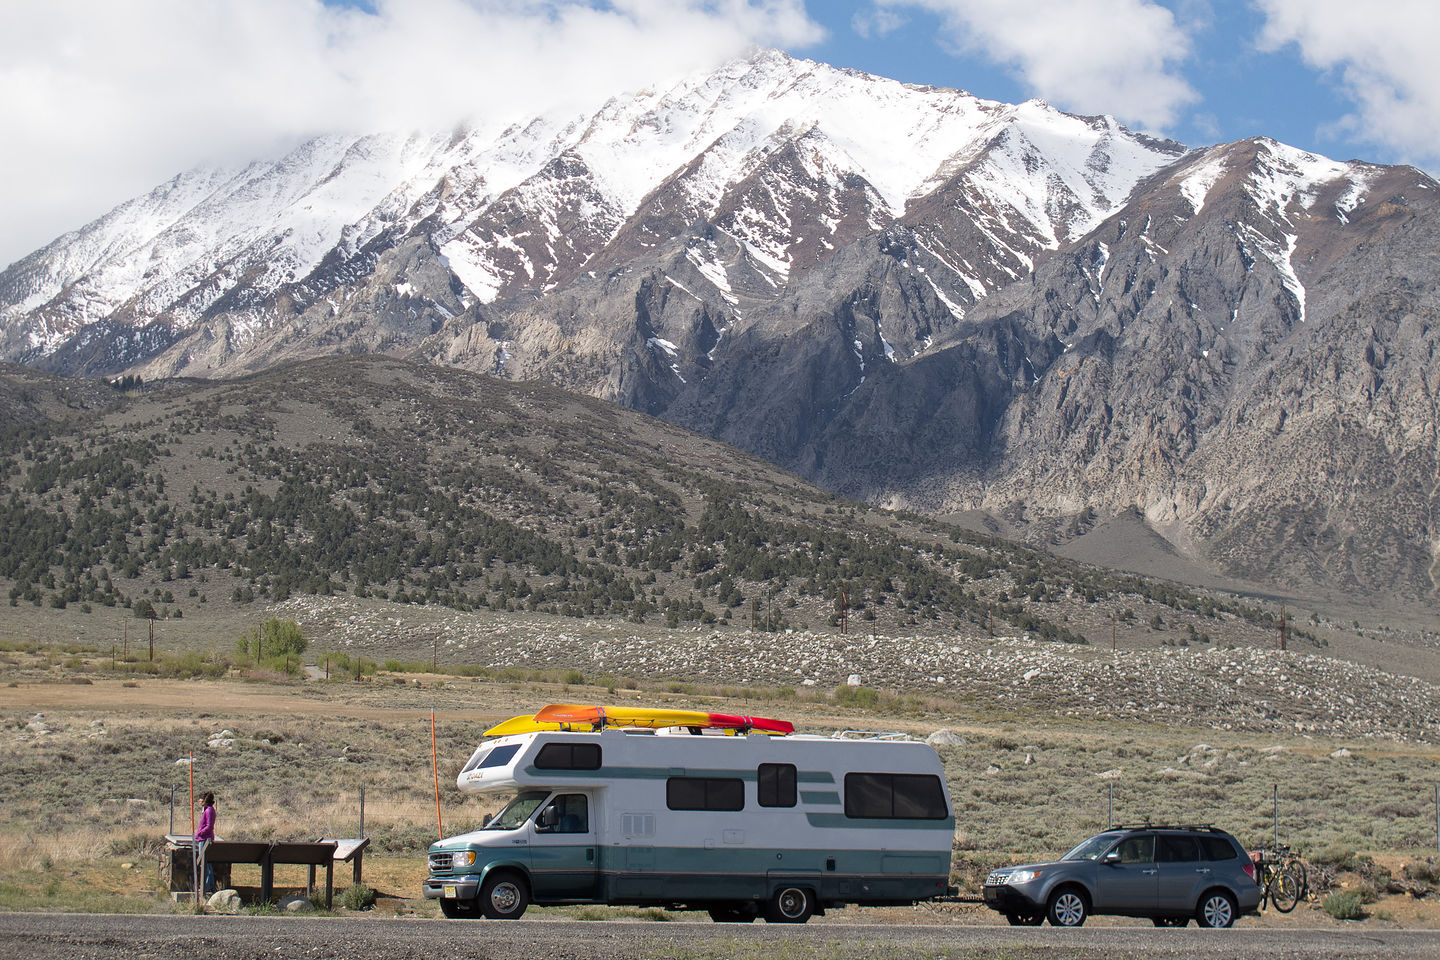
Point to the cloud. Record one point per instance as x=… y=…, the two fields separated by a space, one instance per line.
x=1383 y=57
x=100 y=100
x=1119 y=57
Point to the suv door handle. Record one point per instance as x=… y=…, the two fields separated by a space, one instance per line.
x=1202 y=869
x=1150 y=871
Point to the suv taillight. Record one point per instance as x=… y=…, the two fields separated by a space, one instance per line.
x=1249 y=869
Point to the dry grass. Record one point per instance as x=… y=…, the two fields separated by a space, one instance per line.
x=93 y=792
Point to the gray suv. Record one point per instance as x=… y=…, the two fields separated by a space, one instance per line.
x=1169 y=874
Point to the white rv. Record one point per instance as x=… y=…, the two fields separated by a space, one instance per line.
x=741 y=826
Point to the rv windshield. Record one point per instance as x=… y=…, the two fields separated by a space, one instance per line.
x=517 y=811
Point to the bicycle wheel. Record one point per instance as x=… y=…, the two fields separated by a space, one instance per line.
x=1302 y=879
x=1285 y=890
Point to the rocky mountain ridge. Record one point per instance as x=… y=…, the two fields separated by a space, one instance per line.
x=909 y=295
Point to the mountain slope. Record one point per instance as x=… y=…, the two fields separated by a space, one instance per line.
x=906 y=294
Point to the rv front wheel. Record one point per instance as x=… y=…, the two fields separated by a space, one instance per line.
x=504 y=896
x=458 y=909
x=790 y=905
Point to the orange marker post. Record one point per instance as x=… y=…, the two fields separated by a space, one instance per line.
x=435 y=763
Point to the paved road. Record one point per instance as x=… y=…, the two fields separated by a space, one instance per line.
x=90 y=937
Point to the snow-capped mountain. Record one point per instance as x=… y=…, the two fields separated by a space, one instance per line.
x=789 y=159
x=908 y=294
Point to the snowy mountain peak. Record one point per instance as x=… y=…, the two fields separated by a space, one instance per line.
x=775 y=163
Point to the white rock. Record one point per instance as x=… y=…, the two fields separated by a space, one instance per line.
x=945 y=738
x=1340 y=754
x=224 y=901
x=853 y=680
x=296 y=905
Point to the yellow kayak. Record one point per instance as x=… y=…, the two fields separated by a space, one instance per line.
x=576 y=717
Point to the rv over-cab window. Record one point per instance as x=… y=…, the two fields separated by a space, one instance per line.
x=491 y=757
x=704 y=793
x=894 y=796
x=568 y=756
x=775 y=784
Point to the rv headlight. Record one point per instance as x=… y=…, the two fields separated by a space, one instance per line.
x=1023 y=876
x=463 y=858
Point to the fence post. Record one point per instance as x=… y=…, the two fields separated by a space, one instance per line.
x=1277 y=816
x=1110 y=809
x=362 y=810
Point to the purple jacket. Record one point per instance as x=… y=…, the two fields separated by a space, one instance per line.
x=206 y=830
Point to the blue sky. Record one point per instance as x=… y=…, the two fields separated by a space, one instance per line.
x=101 y=100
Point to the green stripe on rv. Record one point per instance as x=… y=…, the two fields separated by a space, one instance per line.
x=664 y=773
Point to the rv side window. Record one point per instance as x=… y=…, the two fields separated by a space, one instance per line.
x=568 y=756
x=897 y=796
x=775 y=784
x=704 y=793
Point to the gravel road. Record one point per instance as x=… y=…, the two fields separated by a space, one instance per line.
x=91 y=937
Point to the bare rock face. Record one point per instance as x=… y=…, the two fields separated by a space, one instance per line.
x=906 y=294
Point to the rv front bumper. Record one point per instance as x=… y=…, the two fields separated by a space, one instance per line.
x=452 y=888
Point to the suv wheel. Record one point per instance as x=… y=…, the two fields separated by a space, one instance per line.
x=1067 y=908
x=1216 y=909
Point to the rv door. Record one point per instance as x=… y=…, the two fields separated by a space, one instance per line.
x=563 y=853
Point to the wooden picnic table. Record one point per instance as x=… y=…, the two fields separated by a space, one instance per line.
x=267 y=853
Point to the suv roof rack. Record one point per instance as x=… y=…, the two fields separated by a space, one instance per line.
x=1208 y=827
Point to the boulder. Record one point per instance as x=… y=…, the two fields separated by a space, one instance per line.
x=944 y=737
x=224 y=901
x=296 y=905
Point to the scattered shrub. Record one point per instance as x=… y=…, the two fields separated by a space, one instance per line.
x=1344 y=906
x=358 y=897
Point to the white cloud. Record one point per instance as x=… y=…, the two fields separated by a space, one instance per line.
x=1119 y=57
x=100 y=100
x=1384 y=57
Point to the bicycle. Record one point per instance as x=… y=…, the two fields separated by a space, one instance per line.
x=1281 y=878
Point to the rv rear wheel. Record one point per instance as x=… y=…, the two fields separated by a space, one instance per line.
x=504 y=896
x=742 y=912
x=790 y=905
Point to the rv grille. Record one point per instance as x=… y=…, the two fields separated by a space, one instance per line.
x=441 y=861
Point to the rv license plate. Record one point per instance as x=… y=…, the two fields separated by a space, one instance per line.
x=450 y=891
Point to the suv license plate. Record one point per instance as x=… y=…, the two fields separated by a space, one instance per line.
x=450 y=891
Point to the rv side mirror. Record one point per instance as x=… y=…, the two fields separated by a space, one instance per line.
x=546 y=820
x=1112 y=857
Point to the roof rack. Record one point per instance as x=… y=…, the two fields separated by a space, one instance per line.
x=1209 y=827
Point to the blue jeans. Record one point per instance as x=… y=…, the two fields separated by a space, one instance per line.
x=209 y=886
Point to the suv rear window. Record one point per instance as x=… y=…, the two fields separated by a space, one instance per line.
x=1175 y=848
x=1216 y=848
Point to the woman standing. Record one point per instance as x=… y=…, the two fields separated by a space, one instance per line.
x=203 y=835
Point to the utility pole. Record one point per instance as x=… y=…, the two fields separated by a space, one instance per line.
x=435 y=656
x=125 y=650
x=1112 y=631
x=152 y=639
